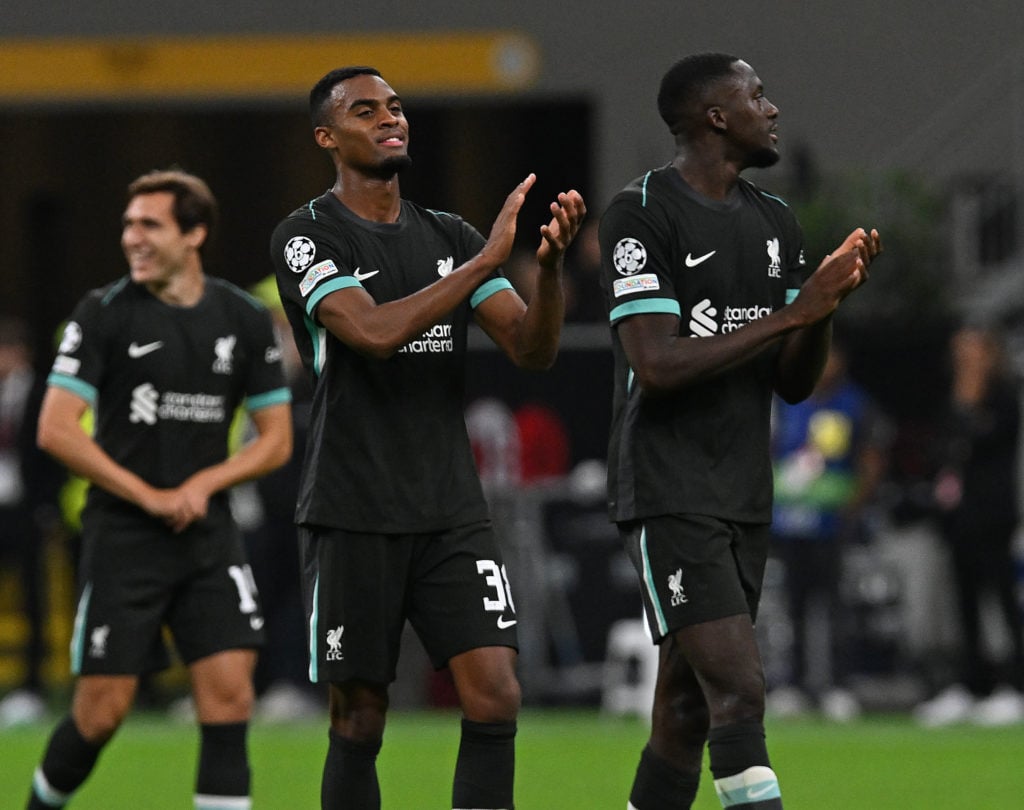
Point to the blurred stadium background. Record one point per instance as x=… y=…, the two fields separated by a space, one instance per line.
x=906 y=116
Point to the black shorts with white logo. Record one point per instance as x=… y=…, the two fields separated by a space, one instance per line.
x=359 y=589
x=695 y=568
x=138 y=577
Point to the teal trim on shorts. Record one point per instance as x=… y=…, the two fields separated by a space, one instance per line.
x=279 y=396
x=314 y=624
x=487 y=289
x=645 y=306
x=74 y=385
x=78 y=631
x=649 y=584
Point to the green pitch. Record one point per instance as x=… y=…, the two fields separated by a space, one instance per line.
x=567 y=760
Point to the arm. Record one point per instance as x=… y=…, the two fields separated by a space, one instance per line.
x=379 y=330
x=529 y=334
x=61 y=435
x=804 y=352
x=271 y=448
x=663 y=360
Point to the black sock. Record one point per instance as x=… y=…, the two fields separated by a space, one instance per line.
x=739 y=762
x=485 y=769
x=350 y=775
x=223 y=760
x=659 y=786
x=67 y=763
x=735 y=747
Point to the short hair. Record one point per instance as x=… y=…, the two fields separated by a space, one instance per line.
x=321 y=91
x=685 y=83
x=194 y=203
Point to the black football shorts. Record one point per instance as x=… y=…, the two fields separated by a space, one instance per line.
x=359 y=590
x=137 y=577
x=695 y=568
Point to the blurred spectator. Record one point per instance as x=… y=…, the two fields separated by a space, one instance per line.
x=977 y=497
x=29 y=480
x=830 y=453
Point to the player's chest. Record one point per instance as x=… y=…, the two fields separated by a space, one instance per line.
x=195 y=354
x=730 y=254
x=392 y=269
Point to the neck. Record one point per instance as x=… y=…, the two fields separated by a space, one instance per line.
x=184 y=289
x=712 y=176
x=372 y=198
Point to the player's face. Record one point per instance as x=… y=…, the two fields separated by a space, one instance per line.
x=752 y=118
x=152 y=241
x=368 y=126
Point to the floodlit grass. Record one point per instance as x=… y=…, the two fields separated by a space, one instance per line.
x=566 y=760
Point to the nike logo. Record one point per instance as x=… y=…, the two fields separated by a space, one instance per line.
x=504 y=624
x=757 y=793
x=692 y=262
x=135 y=350
x=359 y=276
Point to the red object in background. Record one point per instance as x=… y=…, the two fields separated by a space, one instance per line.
x=543 y=443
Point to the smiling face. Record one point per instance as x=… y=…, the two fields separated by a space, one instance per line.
x=366 y=127
x=153 y=243
x=751 y=119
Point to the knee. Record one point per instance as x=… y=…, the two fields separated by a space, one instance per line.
x=493 y=701
x=742 y=699
x=99 y=717
x=358 y=712
x=229 y=701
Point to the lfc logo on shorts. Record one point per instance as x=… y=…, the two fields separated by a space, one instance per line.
x=675 y=584
x=334 y=652
x=98 y=641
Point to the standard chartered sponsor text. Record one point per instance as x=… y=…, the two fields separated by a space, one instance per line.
x=435 y=340
x=191 y=407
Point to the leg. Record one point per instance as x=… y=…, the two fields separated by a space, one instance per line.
x=967 y=573
x=490 y=697
x=669 y=771
x=99 y=706
x=724 y=657
x=223 y=692
x=358 y=710
x=796 y=604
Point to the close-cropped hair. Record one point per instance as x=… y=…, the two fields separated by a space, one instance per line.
x=685 y=83
x=321 y=91
x=194 y=203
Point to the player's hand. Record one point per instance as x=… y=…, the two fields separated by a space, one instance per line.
x=568 y=213
x=503 y=231
x=867 y=245
x=176 y=507
x=838 y=275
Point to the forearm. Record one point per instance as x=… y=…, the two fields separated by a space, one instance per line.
x=537 y=341
x=379 y=330
x=271 y=448
x=802 y=360
x=80 y=453
x=665 y=361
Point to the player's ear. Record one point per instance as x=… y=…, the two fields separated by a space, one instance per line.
x=716 y=117
x=197 y=236
x=324 y=137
